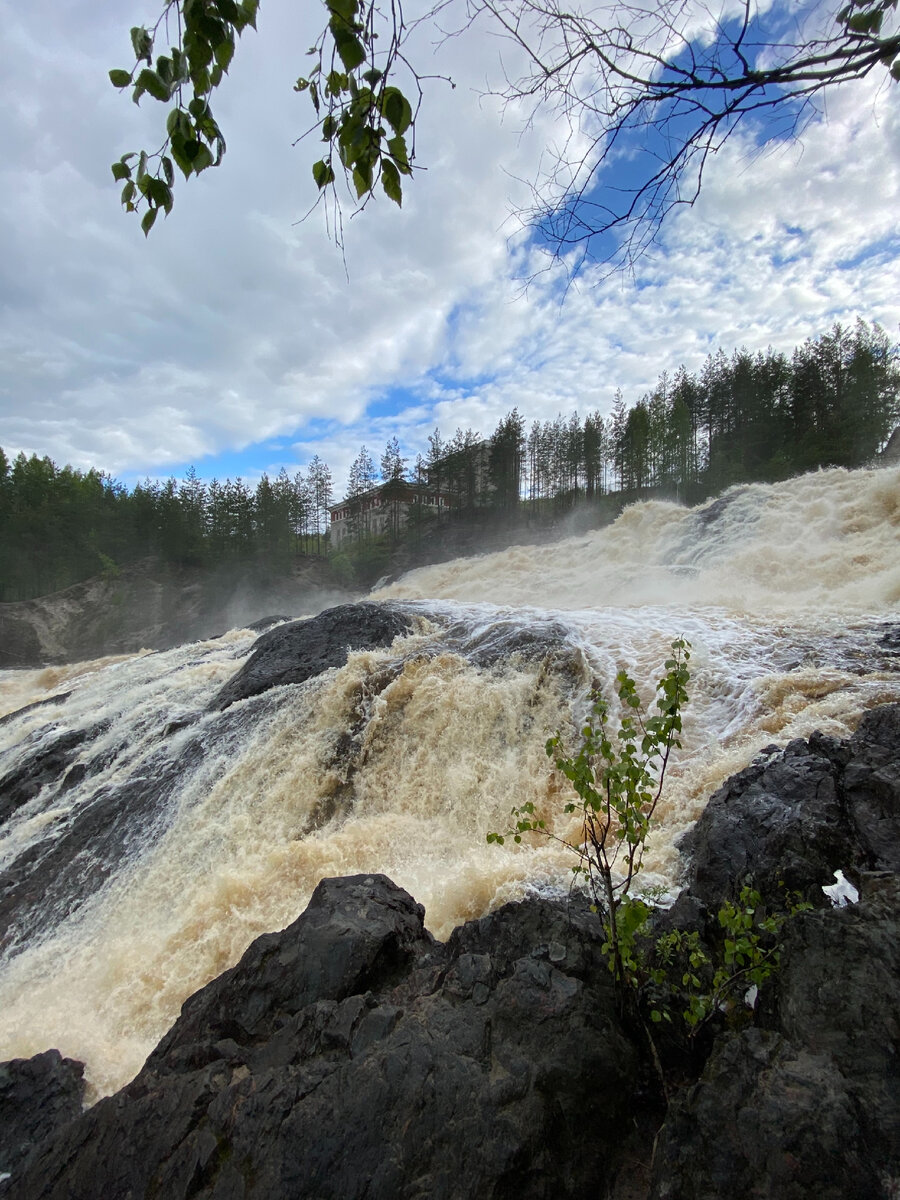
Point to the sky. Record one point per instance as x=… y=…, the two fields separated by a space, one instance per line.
x=238 y=339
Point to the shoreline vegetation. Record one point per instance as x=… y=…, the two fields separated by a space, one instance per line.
x=749 y=418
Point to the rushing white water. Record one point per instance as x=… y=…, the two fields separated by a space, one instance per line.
x=209 y=828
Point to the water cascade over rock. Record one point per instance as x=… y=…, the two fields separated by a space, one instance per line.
x=159 y=812
x=352 y=1055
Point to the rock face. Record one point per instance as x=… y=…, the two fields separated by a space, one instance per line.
x=799 y=814
x=154 y=606
x=807 y=1102
x=294 y=653
x=37 y=1097
x=353 y=1056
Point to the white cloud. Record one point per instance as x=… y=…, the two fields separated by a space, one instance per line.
x=234 y=325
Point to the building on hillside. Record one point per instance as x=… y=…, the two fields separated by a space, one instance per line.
x=891 y=452
x=463 y=476
x=386 y=509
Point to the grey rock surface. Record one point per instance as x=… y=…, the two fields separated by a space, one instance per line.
x=38 y=1096
x=802 y=813
x=295 y=652
x=806 y=1105
x=154 y=606
x=352 y=1056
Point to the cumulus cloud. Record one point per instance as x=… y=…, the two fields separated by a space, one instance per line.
x=237 y=327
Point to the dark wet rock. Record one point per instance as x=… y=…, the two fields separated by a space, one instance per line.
x=296 y=652
x=870 y=788
x=707 y=516
x=778 y=820
x=37 y=1097
x=265 y=623
x=35 y=771
x=800 y=815
x=764 y=1120
x=353 y=1056
x=806 y=1105
x=56 y=698
x=809 y=1107
x=504 y=640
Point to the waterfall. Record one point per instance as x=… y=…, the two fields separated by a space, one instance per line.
x=147 y=836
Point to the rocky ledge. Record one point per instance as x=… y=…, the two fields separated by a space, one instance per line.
x=352 y=1055
x=153 y=606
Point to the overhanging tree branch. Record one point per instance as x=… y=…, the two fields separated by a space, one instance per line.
x=650 y=94
x=670 y=82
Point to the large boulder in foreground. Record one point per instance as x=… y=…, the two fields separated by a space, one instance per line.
x=352 y=1056
x=297 y=651
x=804 y=1105
x=797 y=815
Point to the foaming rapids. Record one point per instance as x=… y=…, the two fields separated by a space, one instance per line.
x=147 y=837
x=826 y=541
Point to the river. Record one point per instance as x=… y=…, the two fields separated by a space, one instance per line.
x=203 y=829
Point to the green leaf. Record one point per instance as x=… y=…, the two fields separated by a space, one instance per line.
x=147 y=220
x=397 y=148
x=212 y=29
x=151 y=82
x=142 y=42
x=128 y=193
x=228 y=10
x=202 y=159
x=249 y=9
x=200 y=55
x=178 y=124
x=120 y=79
x=345 y=10
x=322 y=174
x=224 y=54
x=160 y=194
x=396 y=110
x=362 y=180
x=121 y=170
x=182 y=159
x=349 y=48
x=866 y=21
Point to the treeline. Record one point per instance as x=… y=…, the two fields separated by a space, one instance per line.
x=764 y=416
x=748 y=417
x=59 y=526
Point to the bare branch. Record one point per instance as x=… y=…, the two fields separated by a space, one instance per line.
x=654 y=82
